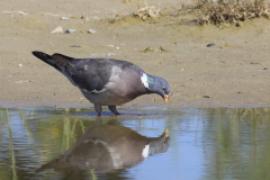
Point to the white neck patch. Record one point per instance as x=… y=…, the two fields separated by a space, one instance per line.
x=144 y=80
x=145 y=151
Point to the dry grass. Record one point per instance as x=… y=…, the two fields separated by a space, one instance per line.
x=144 y=14
x=217 y=12
x=147 y=12
x=231 y=12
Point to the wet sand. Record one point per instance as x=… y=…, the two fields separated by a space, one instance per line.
x=234 y=72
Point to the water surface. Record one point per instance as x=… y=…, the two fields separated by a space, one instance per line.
x=204 y=143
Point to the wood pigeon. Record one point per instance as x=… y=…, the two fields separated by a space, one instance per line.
x=105 y=148
x=105 y=81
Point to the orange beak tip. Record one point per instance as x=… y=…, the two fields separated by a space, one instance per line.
x=166 y=98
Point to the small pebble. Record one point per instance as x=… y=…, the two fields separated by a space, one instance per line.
x=58 y=29
x=22 y=13
x=91 y=31
x=210 y=45
x=148 y=49
x=69 y=31
x=20 y=65
x=64 y=18
x=110 y=54
x=75 y=46
x=205 y=96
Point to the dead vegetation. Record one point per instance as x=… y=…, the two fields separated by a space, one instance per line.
x=216 y=12
x=144 y=14
x=147 y=12
x=231 y=12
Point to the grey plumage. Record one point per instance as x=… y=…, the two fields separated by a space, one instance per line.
x=108 y=147
x=104 y=81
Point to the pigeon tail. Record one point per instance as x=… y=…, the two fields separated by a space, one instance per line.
x=58 y=61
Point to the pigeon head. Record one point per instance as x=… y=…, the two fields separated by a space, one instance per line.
x=160 y=144
x=155 y=84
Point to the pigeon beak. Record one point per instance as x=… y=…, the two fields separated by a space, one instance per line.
x=166 y=98
x=166 y=133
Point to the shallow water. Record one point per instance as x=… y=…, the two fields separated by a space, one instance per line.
x=204 y=143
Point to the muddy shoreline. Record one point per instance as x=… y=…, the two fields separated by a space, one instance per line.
x=233 y=71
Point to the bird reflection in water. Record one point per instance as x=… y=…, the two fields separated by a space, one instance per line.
x=104 y=148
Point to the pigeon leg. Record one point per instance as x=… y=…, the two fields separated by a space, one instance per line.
x=113 y=109
x=98 y=109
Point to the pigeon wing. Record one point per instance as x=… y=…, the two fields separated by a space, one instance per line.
x=89 y=74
